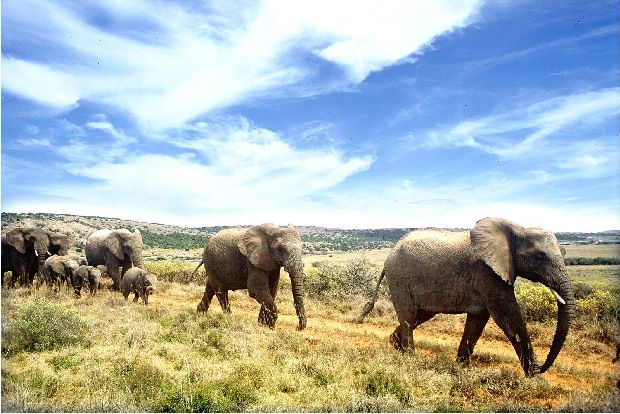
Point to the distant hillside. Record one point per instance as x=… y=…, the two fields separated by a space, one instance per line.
x=315 y=239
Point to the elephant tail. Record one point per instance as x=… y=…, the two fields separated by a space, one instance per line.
x=371 y=304
x=197 y=267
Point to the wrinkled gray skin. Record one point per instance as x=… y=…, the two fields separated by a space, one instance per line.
x=61 y=269
x=140 y=282
x=25 y=249
x=114 y=249
x=251 y=259
x=434 y=271
x=87 y=276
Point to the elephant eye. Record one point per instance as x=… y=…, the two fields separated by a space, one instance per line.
x=540 y=256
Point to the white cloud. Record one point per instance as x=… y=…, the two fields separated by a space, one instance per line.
x=181 y=63
x=34 y=142
x=531 y=124
x=226 y=167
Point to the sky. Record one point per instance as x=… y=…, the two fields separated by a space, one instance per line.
x=349 y=114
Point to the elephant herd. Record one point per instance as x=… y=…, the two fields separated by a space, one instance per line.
x=28 y=252
x=428 y=271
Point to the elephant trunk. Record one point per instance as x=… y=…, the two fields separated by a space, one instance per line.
x=297 y=275
x=136 y=258
x=562 y=286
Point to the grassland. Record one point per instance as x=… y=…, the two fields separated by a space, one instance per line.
x=124 y=356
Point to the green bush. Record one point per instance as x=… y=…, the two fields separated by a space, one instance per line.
x=600 y=304
x=176 y=271
x=570 y=261
x=536 y=301
x=538 y=304
x=356 y=277
x=40 y=326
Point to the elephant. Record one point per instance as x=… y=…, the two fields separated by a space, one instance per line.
x=63 y=269
x=25 y=249
x=239 y=258
x=114 y=249
x=434 y=271
x=139 y=281
x=89 y=275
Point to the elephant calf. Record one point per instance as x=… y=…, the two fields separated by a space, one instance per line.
x=139 y=281
x=87 y=275
x=60 y=269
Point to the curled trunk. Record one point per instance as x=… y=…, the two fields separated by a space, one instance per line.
x=565 y=315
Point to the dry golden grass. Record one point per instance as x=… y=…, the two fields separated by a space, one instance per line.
x=165 y=356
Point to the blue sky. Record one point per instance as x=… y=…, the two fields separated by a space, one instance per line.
x=346 y=114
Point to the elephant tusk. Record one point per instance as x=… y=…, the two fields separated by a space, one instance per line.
x=558 y=297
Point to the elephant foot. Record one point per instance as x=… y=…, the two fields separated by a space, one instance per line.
x=463 y=360
x=267 y=317
x=201 y=307
x=400 y=343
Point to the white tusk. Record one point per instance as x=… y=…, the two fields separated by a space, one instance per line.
x=558 y=297
x=36 y=253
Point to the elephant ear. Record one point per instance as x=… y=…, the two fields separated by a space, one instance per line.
x=113 y=244
x=16 y=239
x=254 y=245
x=492 y=241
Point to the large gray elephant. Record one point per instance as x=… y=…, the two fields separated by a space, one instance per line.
x=114 y=249
x=251 y=259
x=435 y=271
x=25 y=249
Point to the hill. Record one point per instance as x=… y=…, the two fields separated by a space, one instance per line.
x=316 y=240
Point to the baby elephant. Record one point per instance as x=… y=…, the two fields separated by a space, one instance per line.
x=140 y=282
x=88 y=275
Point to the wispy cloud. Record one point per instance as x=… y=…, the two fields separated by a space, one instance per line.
x=170 y=70
x=228 y=167
x=518 y=132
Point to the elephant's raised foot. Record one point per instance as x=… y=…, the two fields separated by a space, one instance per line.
x=267 y=317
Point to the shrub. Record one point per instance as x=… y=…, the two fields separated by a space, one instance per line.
x=176 y=271
x=356 y=277
x=40 y=326
x=536 y=302
x=600 y=304
x=569 y=261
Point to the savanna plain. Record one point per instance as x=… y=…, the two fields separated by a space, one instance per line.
x=102 y=353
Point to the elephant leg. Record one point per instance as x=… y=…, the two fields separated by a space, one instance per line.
x=222 y=297
x=126 y=266
x=507 y=316
x=274 y=280
x=474 y=325
x=112 y=267
x=258 y=288
x=135 y=296
x=203 y=306
x=402 y=337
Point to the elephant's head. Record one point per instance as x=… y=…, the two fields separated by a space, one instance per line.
x=59 y=243
x=29 y=240
x=150 y=284
x=269 y=247
x=122 y=243
x=512 y=250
